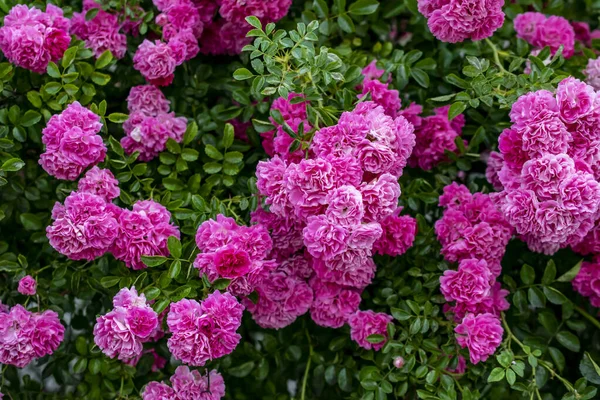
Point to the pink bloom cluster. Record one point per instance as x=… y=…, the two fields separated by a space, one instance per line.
x=204 y=331
x=472 y=227
x=481 y=334
x=143 y=231
x=150 y=123
x=84 y=228
x=187 y=385
x=234 y=252
x=366 y=323
x=88 y=225
x=284 y=295
x=587 y=281
x=551 y=163
x=100 y=33
x=473 y=233
x=454 y=21
x=25 y=336
x=434 y=135
x=122 y=331
x=226 y=32
x=72 y=142
x=31 y=38
x=541 y=31
x=379 y=92
x=336 y=203
x=27 y=286
x=157 y=60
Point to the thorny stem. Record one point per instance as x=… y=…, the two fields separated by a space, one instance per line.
x=307 y=370
x=496 y=56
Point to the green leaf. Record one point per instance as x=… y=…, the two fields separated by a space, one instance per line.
x=53 y=70
x=51 y=87
x=212 y=167
x=228 y=135
x=375 y=338
x=496 y=375
x=161 y=305
x=527 y=274
x=152 y=293
x=12 y=165
x=174 y=269
x=456 y=109
x=536 y=297
x=558 y=358
x=9 y=266
x=242 y=74
x=255 y=22
x=189 y=154
x=5 y=69
x=221 y=284
x=242 y=370
x=554 y=296
x=568 y=340
x=173 y=184
x=363 y=7
x=34 y=98
x=109 y=281
x=31 y=222
x=190 y=133
x=346 y=24
x=30 y=118
x=421 y=77
x=100 y=78
x=570 y=274
x=549 y=273
x=212 y=152
x=174 y=246
x=154 y=261
x=117 y=118
x=104 y=59
x=511 y=377
x=590 y=369
x=69 y=57
x=321 y=8
x=234 y=157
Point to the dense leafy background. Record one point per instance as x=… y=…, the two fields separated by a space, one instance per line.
x=319 y=49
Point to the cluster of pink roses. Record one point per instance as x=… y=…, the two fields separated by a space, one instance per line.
x=541 y=31
x=72 y=142
x=550 y=165
x=89 y=225
x=219 y=25
x=25 y=336
x=435 y=134
x=122 y=331
x=204 y=331
x=474 y=234
x=454 y=21
x=100 y=33
x=187 y=385
x=31 y=38
x=336 y=203
x=150 y=124
x=234 y=252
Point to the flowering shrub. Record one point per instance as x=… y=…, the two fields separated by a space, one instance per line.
x=293 y=200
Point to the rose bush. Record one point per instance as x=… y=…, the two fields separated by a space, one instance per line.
x=345 y=199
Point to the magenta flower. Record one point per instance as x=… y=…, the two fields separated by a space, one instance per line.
x=27 y=286
x=100 y=182
x=366 y=323
x=470 y=284
x=72 y=142
x=481 y=334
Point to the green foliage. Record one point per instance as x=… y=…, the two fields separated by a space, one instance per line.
x=319 y=51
